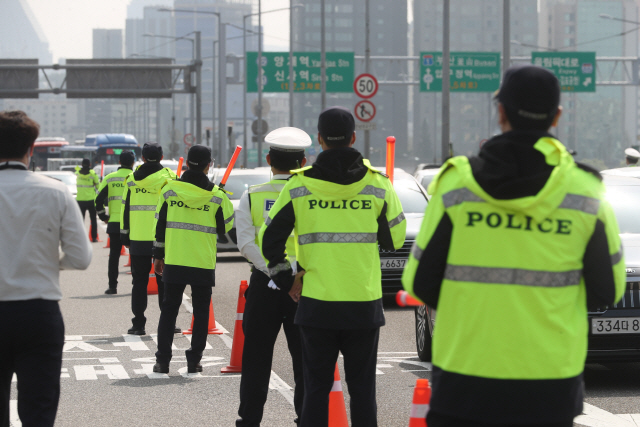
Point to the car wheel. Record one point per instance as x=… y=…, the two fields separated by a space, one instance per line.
x=425 y=321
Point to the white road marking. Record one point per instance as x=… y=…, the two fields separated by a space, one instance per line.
x=147 y=369
x=382 y=365
x=64 y=373
x=99 y=359
x=83 y=347
x=91 y=372
x=207 y=346
x=14 y=419
x=635 y=418
x=133 y=342
x=596 y=417
x=277 y=383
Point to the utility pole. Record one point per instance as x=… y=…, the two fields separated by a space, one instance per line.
x=259 y=107
x=222 y=91
x=323 y=58
x=506 y=35
x=198 y=89
x=367 y=66
x=291 y=79
x=445 y=80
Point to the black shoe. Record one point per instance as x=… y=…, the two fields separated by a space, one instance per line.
x=161 y=368
x=177 y=330
x=111 y=291
x=95 y=240
x=192 y=369
x=135 y=331
x=296 y=420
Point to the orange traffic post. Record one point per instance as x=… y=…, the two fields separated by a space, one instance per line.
x=108 y=245
x=403 y=299
x=391 y=156
x=97 y=234
x=179 y=171
x=212 y=323
x=101 y=169
x=420 y=403
x=232 y=162
x=337 y=409
x=235 y=365
x=152 y=286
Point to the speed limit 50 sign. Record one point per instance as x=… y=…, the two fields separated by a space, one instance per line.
x=365 y=86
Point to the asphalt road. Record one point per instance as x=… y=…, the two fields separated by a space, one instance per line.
x=107 y=380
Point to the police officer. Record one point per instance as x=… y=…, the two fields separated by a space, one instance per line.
x=340 y=210
x=514 y=246
x=110 y=195
x=140 y=197
x=267 y=308
x=631 y=156
x=87 y=183
x=191 y=212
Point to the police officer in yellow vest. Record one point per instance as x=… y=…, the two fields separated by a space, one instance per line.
x=140 y=198
x=267 y=308
x=87 y=183
x=340 y=210
x=515 y=245
x=110 y=195
x=191 y=213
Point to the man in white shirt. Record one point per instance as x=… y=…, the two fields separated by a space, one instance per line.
x=267 y=308
x=39 y=216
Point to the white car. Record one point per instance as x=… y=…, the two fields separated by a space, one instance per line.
x=426 y=175
x=239 y=181
x=68 y=178
x=631 y=171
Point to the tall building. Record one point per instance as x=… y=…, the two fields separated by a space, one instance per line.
x=345 y=32
x=600 y=125
x=107 y=43
x=21 y=34
x=475 y=26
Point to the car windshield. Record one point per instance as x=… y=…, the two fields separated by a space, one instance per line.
x=238 y=184
x=625 y=200
x=412 y=199
x=66 y=178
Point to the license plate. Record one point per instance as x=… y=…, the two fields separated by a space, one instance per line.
x=386 y=263
x=615 y=325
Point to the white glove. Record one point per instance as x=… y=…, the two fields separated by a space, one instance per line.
x=273 y=286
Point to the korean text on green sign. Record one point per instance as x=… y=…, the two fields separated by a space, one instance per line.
x=468 y=72
x=306 y=71
x=576 y=71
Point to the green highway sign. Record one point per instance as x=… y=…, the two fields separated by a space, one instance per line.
x=306 y=71
x=468 y=71
x=575 y=70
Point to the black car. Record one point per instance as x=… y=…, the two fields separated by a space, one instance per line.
x=614 y=332
x=413 y=198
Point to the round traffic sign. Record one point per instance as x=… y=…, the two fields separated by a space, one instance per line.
x=255 y=128
x=365 y=86
x=365 y=111
x=188 y=139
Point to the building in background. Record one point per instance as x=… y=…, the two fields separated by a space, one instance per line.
x=600 y=125
x=345 y=32
x=107 y=43
x=475 y=26
x=21 y=34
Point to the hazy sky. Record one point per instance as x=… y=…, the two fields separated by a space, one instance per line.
x=68 y=24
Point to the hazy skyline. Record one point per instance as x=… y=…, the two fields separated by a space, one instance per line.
x=68 y=24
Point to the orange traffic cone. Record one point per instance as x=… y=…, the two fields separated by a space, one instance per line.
x=123 y=251
x=337 y=410
x=108 y=242
x=152 y=286
x=212 y=323
x=420 y=404
x=235 y=365
x=97 y=235
x=128 y=264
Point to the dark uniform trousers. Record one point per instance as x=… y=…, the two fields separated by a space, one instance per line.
x=140 y=270
x=115 y=247
x=200 y=298
x=320 y=349
x=435 y=419
x=265 y=311
x=32 y=337
x=90 y=205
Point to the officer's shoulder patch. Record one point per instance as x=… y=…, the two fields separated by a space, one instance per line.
x=590 y=170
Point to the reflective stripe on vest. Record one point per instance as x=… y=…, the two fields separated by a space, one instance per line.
x=370 y=190
x=512 y=276
x=115 y=178
x=294 y=193
x=305 y=239
x=112 y=198
x=397 y=220
x=231 y=218
x=142 y=208
x=192 y=227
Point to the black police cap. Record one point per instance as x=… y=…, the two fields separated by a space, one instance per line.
x=531 y=92
x=152 y=151
x=127 y=157
x=199 y=156
x=336 y=124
